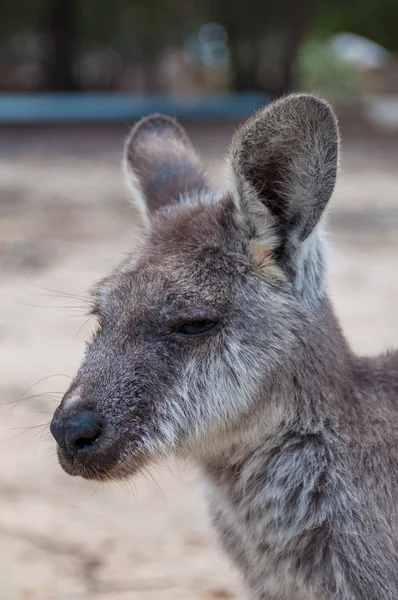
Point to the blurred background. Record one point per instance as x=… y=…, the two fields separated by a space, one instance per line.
x=74 y=75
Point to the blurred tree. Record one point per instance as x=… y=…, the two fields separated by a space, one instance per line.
x=17 y=16
x=140 y=30
x=264 y=37
x=374 y=19
x=60 y=23
x=296 y=27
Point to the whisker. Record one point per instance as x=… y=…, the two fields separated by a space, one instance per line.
x=45 y=379
x=128 y=487
x=38 y=430
x=57 y=292
x=24 y=398
x=50 y=394
x=54 y=307
x=25 y=429
x=46 y=395
x=81 y=327
x=149 y=476
x=42 y=436
x=59 y=295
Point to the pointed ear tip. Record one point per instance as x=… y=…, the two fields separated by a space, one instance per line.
x=297 y=103
x=302 y=98
x=311 y=102
x=156 y=123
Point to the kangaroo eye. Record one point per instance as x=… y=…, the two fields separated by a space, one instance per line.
x=195 y=328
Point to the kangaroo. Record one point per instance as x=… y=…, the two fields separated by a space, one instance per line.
x=216 y=341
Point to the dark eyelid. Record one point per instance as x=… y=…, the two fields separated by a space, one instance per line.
x=185 y=318
x=205 y=326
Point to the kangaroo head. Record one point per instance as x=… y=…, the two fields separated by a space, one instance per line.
x=202 y=321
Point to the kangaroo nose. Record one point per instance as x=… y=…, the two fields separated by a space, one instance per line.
x=78 y=432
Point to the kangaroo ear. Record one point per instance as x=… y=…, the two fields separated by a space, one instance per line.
x=284 y=161
x=160 y=164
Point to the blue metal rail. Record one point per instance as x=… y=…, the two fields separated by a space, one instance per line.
x=99 y=107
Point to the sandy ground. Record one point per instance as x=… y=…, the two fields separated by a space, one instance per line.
x=64 y=221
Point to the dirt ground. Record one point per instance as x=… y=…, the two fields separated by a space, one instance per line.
x=64 y=221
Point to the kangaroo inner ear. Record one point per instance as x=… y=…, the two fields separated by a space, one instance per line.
x=284 y=161
x=160 y=164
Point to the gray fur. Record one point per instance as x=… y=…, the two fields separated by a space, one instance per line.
x=296 y=438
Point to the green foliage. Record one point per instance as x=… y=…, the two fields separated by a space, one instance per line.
x=374 y=19
x=17 y=16
x=322 y=72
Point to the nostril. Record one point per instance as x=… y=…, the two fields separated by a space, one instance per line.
x=86 y=441
x=82 y=431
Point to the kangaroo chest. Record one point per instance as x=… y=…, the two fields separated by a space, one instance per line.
x=271 y=516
